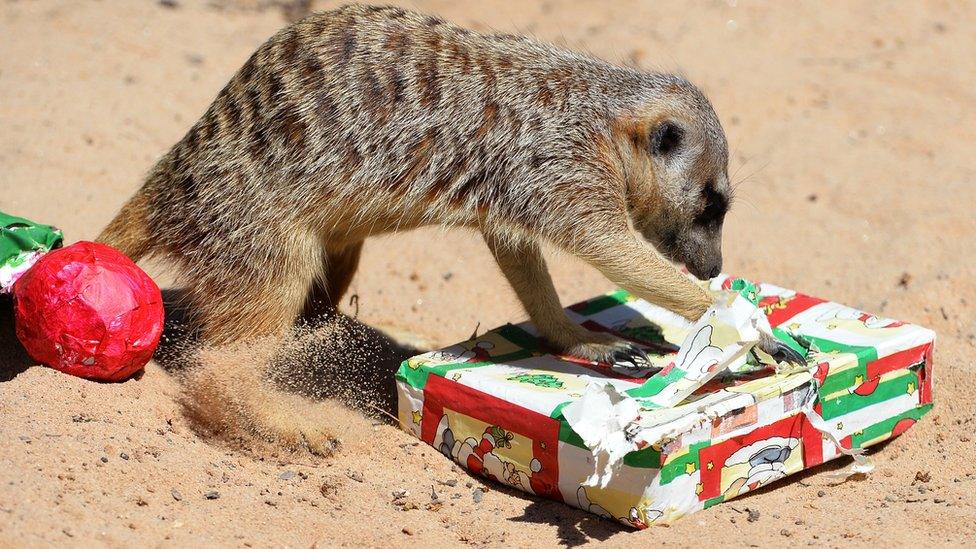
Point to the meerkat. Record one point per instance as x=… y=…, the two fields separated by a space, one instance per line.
x=366 y=120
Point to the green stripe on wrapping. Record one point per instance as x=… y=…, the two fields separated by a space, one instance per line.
x=836 y=407
x=788 y=339
x=566 y=433
x=648 y=458
x=746 y=289
x=883 y=429
x=568 y=436
x=844 y=379
x=519 y=337
x=714 y=501
x=417 y=377
x=656 y=383
x=596 y=305
x=677 y=466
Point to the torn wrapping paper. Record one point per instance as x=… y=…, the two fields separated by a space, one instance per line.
x=708 y=423
x=22 y=243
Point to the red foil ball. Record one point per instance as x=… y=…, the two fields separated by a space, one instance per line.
x=89 y=311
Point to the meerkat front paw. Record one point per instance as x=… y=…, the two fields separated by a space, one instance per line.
x=606 y=348
x=780 y=351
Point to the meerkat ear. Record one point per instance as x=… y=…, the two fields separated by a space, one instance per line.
x=666 y=138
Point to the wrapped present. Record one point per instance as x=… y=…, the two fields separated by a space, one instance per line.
x=713 y=418
x=22 y=243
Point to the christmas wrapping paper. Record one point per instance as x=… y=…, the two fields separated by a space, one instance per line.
x=713 y=419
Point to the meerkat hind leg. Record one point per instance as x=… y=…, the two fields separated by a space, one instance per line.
x=339 y=268
x=525 y=268
x=231 y=394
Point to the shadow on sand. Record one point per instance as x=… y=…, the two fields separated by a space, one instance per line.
x=335 y=357
x=13 y=358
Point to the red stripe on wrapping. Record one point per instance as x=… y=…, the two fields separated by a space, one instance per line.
x=794 y=306
x=812 y=444
x=543 y=431
x=823 y=369
x=867 y=387
x=897 y=361
x=718 y=454
x=925 y=392
x=902 y=426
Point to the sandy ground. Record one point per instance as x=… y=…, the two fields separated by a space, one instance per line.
x=852 y=131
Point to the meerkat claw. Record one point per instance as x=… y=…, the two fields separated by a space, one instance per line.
x=631 y=357
x=780 y=351
x=787 y=354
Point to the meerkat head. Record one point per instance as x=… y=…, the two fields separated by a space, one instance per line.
x=676 y=167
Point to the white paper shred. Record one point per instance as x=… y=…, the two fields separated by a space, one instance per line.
x=610 y=422
x=604 y=418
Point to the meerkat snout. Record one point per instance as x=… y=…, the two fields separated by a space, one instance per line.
x=681 y=190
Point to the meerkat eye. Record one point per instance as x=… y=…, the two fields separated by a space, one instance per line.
x=666 y=139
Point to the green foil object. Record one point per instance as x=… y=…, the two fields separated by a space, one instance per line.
x=22 y=242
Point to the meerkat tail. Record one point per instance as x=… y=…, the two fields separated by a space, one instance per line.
x=128 y=231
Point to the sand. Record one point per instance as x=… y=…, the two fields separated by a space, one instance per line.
x=852 y=135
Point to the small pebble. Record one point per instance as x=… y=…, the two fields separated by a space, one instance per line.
x=821 y=493
x=124 y=456
x=753 y=515
x=176 y=494
x=407 y=530
x=104 y=459
x=477 y=495
x=785 y=533
x=213 y=494
x=286 y=475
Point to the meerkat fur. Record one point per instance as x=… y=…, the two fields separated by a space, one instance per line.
x=366 y=120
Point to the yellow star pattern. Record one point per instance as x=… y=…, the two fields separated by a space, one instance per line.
x=456 y=377
x=710 y=466
x=543 y=445
x=858 y=379
x=794 y=326
x=840 y=425
x=416 y=416
x=699 y=488
x=911 y=388
x=690 y=468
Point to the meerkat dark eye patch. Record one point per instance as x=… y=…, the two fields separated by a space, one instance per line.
x=666 y=139
x=716 y=205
